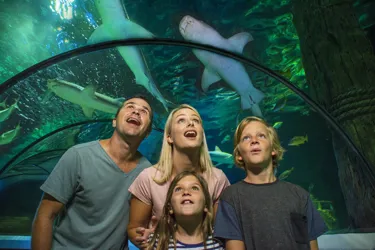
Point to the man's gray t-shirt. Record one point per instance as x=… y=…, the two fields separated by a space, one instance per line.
x=95 y=193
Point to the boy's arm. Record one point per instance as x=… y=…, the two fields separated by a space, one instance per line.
x=314 y=245
x=227 y=228
x=234 y=245
x=316 y=225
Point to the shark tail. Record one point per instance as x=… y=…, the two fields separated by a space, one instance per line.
x=250 y=100
x=143 y=80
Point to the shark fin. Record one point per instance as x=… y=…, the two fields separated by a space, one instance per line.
x=217 y=149
x=89 y=91
x=100 y=34
x=209 y=77
x=3 y=103
x=240 y=40
x=250 y=98
x=88 y=112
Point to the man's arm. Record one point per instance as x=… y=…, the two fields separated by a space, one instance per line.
x=41 y=237
x=139 y=217
x=59 y=187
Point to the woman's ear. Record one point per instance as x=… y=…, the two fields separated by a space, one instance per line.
x=169 y=139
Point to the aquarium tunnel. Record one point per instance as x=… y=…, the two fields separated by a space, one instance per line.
x=311 y=64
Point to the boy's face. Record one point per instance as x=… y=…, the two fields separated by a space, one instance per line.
x=255 y=146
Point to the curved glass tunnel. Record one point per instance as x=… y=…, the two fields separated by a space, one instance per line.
x=315 y=160
x=45 y=111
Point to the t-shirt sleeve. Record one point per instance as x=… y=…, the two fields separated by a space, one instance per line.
x=226 y=226
x=221 y=184
x=63 y=181
x=316 y=224
x=141 y=187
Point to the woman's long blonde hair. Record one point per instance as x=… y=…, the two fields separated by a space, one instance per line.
x=165 y=164
x=166 y=228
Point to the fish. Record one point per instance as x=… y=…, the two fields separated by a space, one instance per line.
x=86 y=97
x=3 y=103
x=277 y=125
x=10 y=135
x=219 y=67
x=221 y=157
x=5 y=113
x=115 y=25
x=285 y=174
x=298 y=140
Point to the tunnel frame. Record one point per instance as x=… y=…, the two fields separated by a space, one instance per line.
x=182 y=43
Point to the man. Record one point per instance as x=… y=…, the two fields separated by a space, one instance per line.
x=262 y=212
x=88 y=188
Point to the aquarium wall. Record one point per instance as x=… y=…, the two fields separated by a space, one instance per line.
x=66 y=66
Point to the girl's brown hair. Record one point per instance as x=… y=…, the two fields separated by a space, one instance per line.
x=167 y=225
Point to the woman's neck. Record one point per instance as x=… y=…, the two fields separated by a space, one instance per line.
x=183 y=161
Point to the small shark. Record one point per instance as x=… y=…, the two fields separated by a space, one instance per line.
x=87 y=98
x=219 y=67
x=221 y=157
x=5 y=113
x=9 y=136
x=115 y=25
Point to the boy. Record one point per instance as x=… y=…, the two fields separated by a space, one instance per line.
x=262 y=212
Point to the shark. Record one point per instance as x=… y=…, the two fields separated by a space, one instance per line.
x=219 y=67
x=87 y=98
x=6 y=112
x=115 y=25
x=8 y=136
x=221 y=157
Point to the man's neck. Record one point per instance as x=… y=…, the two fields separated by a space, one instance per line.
x=260 y=174
x=184 y=161
x=120 y=150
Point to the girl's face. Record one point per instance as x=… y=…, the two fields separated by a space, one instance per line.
x=188 y=197
x=186 y=130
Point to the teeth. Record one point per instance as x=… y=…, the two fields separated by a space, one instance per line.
x=187 y=202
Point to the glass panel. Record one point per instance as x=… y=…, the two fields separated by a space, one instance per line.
x=310 y=160
x=47 y=28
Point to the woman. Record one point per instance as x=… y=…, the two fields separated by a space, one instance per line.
x=186 y=221
x=184 y=148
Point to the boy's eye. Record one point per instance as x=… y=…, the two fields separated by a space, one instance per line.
x=245 y=138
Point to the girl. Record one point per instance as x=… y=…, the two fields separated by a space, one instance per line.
x=186 y=221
